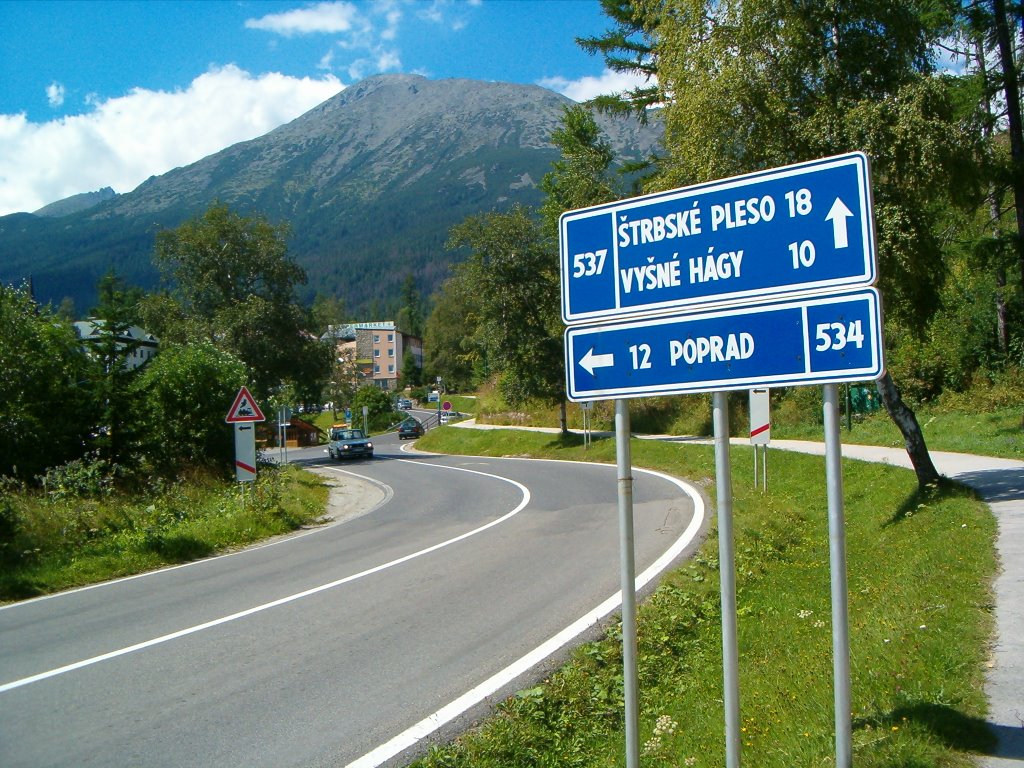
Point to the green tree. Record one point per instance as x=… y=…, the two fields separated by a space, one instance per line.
x=582 y=176
x=380 y=411
x=179 y=402
x=114 y=346
x=514 y=272
x=628 y=48
x=752 y=84
x=453 y=345
x=410 y=314
x=411 y=373
x=325 y=312
x=992 y=84
x=235 y=284
x=47 y=408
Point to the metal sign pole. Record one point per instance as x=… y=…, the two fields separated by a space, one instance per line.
x=727 y=574
x=837 y=557
x=755 y=466
x=628 y=580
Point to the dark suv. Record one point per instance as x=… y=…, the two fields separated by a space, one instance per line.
x=411 y=429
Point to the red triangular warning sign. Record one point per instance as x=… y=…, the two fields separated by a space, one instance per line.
x=244 y=409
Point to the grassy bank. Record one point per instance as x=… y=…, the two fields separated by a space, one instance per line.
x=985 y=422
x=56 y=540
x=919 y=569
x=996 y=433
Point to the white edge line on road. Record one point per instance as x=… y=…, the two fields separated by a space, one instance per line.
x=416 y=733
x=284 y=600
x=281 y=539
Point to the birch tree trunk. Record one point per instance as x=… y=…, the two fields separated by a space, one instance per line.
x=913 y=438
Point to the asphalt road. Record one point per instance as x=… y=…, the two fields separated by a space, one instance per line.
x=319 y=649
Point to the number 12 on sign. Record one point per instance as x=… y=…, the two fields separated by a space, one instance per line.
x=813 y=340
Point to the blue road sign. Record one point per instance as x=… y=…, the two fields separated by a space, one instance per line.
x=793 y=230
x=810 y=340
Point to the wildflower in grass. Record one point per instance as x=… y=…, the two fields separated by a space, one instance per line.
x=665 y=725
x=652 y=746
x=690 y=761
x=804 y=614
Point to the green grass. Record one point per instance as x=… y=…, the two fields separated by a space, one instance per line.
x=53 y=543
x=919 y=570
x=990 y=430
x=461 y=403
x=996 y=433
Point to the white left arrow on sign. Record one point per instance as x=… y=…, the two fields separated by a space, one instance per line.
x=591 y=361
x=838 y=215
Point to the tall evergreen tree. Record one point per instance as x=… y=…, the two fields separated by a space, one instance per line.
x=115 y=348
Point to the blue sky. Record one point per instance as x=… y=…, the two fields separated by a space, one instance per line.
x=96 y=93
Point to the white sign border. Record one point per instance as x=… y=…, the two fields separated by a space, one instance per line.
x=872 y=372
x=867 y=226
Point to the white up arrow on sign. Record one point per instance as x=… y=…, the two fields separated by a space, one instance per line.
x=591 y=361
x=838 y=216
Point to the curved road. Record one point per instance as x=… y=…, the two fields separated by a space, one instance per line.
x=343 y=646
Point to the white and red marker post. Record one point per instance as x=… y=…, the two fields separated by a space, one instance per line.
x=244 y=412
x=760 y=431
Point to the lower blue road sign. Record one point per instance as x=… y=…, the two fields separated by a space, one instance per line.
x=814 y=340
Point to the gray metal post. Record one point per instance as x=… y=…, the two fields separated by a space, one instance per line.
x=727 y=574
x=628 y=580
x=837 y=558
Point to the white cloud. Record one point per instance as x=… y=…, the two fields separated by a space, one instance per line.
x=586 y=88
x=445 y=12
x=125 y=140
x=329 y=18
x=326 y=60
x=55 y=94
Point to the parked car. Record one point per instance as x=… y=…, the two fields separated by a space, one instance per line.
x=404 y=404
x=349 y=444
x=410 y=429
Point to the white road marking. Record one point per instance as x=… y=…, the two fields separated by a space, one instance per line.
x=284 y=600
x=414 y=734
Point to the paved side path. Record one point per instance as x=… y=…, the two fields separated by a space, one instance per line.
x=1000 y=482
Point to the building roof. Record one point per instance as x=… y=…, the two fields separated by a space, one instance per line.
x=348 y=331
x=89 y=329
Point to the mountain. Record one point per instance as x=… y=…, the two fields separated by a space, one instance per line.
x=371 y=181
x=76 y=203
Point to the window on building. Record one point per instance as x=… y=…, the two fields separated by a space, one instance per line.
x=391 y=337
x=376 y=338
x=376 y=369
x=376 y=353
x=391 y=351
x=391 y=368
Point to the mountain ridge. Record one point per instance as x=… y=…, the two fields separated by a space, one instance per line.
x=371 y=181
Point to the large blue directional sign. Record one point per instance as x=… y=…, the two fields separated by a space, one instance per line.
x=787 y=231
x=826 y=338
